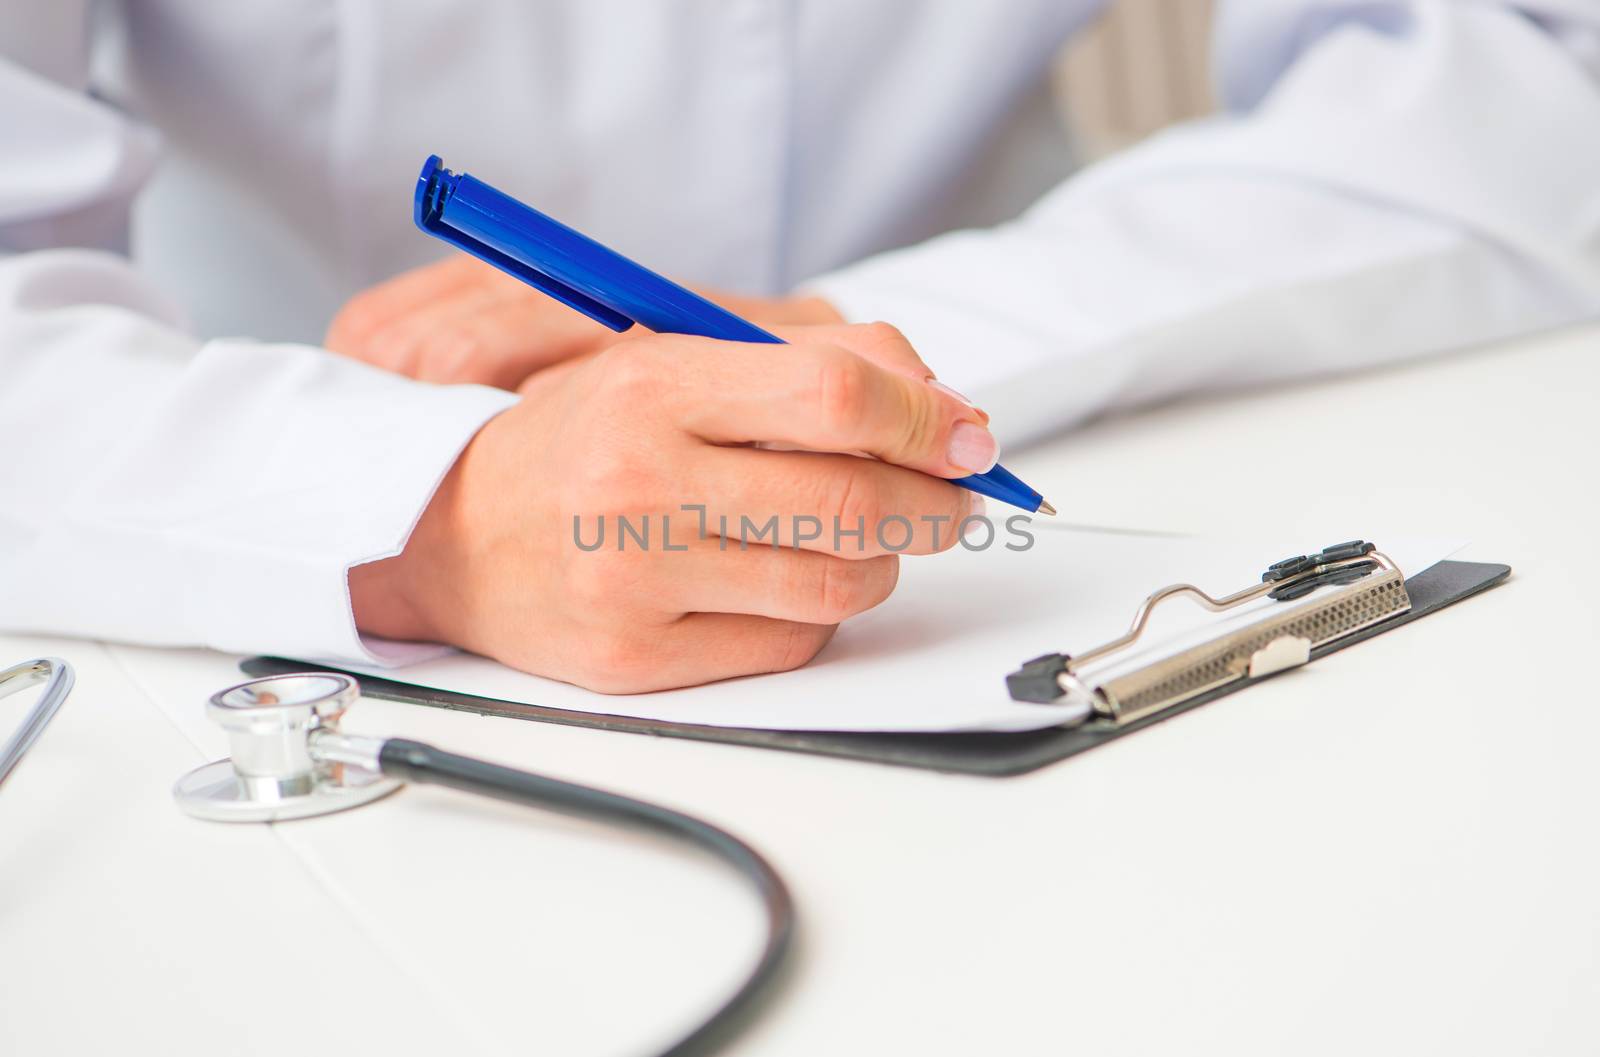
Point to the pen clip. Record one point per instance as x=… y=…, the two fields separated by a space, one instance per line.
x=434 y=187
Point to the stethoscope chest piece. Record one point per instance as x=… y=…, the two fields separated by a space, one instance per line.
x=274 y=774
x=290 y=760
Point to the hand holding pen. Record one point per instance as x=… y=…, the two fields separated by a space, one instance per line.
x=742 y=560
x=675 y=424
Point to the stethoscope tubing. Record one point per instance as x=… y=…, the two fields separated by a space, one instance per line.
x=418 y=762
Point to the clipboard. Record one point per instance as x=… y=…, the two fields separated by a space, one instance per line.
x=986 y=754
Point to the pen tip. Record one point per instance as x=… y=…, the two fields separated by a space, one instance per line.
x=1046 y=508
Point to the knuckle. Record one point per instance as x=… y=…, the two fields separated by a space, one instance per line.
x=916 y=428
x=629 y=371
x=612 y=661
x=851 y=498
x=589 y=581
x=603 y=580
x=800 y=643
x=843 y=388
x=840 y=589
x=881 y=335
x=615 y=480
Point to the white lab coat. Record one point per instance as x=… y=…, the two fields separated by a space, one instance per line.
x=1390 y=179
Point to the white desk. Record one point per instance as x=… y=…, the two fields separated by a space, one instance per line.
x=1395 y=850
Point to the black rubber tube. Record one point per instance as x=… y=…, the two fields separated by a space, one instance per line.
x=417 y=762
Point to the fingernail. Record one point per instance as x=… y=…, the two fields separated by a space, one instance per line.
x=963 y=397
x=972 y=448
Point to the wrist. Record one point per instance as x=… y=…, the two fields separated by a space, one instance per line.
x=407 y=597
x=383 y=605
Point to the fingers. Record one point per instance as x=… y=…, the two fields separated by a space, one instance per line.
x=676 y=618
x=378 y=306
x=461 y=321
x=820 y=397
x=837 y=504
x=750 y=645
x=400 y=344
x=781 y=583
x=497 y=342
x=702 y=648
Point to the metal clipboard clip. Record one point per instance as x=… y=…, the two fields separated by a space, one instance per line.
x=1374 y=590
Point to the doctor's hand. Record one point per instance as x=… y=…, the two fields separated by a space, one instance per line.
x=503 y=561
x=461 y=320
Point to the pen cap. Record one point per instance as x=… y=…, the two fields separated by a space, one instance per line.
x=437 y=188
x=564 y=263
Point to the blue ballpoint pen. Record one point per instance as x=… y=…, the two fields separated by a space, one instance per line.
x=579 y=272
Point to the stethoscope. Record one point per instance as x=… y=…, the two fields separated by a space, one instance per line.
x=289 y=760
x=56 y=674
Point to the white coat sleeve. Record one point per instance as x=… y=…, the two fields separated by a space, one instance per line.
x=161 y=490
x=1388 y=179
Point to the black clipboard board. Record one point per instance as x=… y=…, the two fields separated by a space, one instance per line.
x=991 y=754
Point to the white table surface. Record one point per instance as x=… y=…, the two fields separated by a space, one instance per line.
x=1395 y=850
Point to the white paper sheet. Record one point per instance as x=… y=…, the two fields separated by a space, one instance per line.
x=934 y=656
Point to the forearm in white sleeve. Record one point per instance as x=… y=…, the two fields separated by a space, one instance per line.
x=156 y=490
x=1392 y=179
